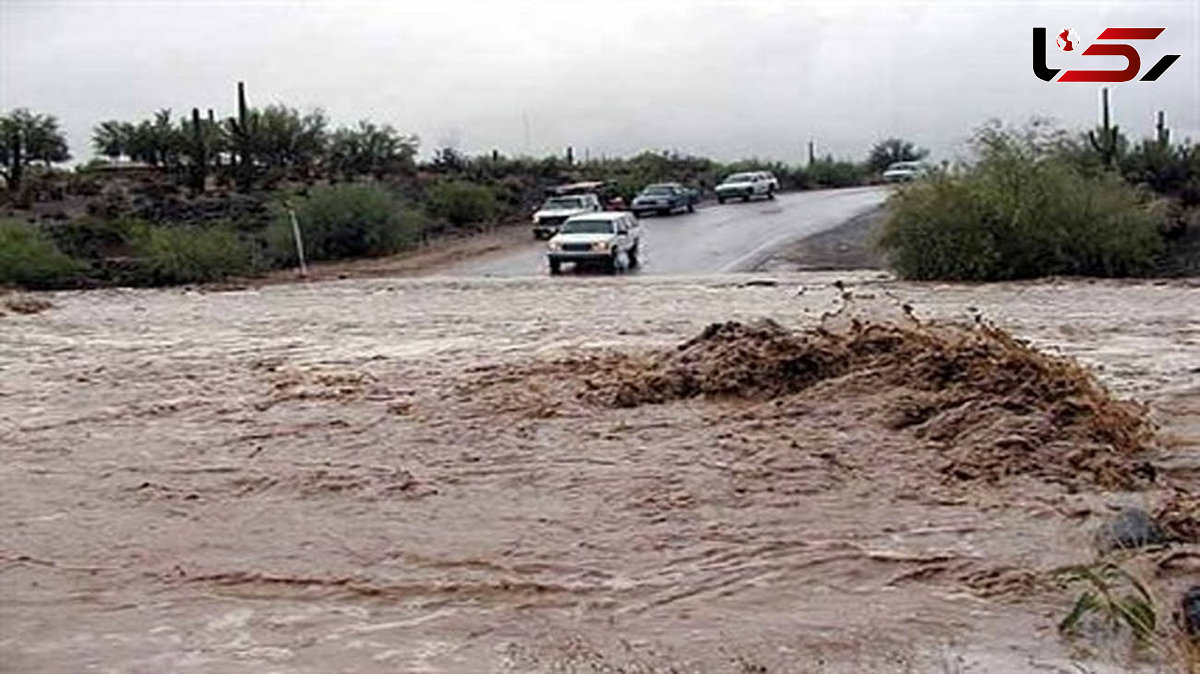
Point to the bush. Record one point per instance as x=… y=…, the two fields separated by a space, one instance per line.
x=1020 y=212
x=462 y=203
x=167 y=255
x=829 y=172
x=341 y=221
x=29 y=258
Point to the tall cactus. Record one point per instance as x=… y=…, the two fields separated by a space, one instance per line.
x=198 y=153
x=16 y=162
x=244 y=129
x=1161 y=132
x=1107 y=143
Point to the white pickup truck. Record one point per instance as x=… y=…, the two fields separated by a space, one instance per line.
x=610 y=239
x=556 y=210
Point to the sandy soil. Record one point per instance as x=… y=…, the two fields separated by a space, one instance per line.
x=439 y=255
x=400 y=475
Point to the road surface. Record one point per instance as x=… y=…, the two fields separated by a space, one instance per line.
x=715 y=239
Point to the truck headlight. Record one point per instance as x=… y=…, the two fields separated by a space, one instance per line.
x=600 y=246
x=554 y=245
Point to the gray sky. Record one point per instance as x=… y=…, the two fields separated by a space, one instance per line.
x=723 y=79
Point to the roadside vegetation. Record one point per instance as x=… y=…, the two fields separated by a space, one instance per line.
x=200 y=198
x=194 y=198
x=1037 y=201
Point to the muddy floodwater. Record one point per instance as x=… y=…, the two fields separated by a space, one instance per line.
x=389 y=475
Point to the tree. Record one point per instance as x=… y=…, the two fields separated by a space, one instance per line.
x=368 y=149
x=26 y=137
x=111 y=138
x=892 y=150
x=157 y=142
x=285 y=138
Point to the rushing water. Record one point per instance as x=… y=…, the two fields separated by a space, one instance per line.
x=348 y=476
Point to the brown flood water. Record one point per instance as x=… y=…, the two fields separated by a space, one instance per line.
x=386 y=475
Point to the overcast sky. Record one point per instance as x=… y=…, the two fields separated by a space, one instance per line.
x=723 y=79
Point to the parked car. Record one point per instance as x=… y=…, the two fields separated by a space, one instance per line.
x=608 y=239
x=904 y=171
x=747 y=185
x=664 y=199
x=557 y=209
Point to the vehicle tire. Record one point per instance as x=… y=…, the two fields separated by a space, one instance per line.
x=610 y=265
x=555 y=267
x=664 y=211
x=633 y=256
x=638 y=214
x=720 y=200
x=691 y=207
x=771 y=193
x=746 y=197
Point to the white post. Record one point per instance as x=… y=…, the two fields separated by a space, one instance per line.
x=299 y=242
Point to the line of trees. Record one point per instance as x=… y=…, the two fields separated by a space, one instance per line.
x=259 y=145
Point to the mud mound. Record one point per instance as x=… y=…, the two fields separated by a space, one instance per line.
x=994 y=405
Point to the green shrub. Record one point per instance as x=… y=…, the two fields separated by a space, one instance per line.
x=341 y=221
x=29 y=258
x=462 y=203
x=1020 y=212
x=166 y=255
x=830 y=172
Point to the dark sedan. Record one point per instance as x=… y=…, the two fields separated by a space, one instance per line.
x=664 y=199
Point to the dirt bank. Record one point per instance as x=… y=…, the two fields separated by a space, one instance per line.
x=400 y=475
x=848 y=246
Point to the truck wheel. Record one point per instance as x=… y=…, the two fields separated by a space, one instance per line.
x=746 y=197
x=691 y=207
x=664 y=211
x=771 y=193
x=633 y=256
x=610 y=265
x=720 y=200
x=555 y=267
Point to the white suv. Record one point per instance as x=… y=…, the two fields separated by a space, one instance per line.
x=609 y=239
x=556 y=210
x=747 y=186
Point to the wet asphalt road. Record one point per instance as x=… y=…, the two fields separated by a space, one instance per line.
x=716 y=238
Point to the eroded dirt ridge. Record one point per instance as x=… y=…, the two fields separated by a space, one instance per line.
x=992 y=405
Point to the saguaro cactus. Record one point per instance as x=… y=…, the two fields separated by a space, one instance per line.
x=1106 y=142
x=16 y=162
x=198 y=153
x=243 y=128
x=1161 y=132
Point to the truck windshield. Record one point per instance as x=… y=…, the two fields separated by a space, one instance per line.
x=561 y=203
x=587 y=227
x=658 y=189
x=740 y=178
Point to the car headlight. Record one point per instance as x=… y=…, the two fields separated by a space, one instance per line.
x=554 y=245
x=600 y=246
